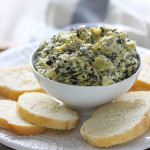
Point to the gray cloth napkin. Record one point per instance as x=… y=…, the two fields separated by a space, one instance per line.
x=3 y=147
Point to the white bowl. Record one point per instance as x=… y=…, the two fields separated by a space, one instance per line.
x=83 y=97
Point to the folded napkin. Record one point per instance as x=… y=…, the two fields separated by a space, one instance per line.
x=32 y=20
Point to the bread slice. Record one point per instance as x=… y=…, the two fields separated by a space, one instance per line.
x=143 y=81
x=42 y=110
x=11 y=121
x=116 y=123
x=131 y=96
x=14 y=81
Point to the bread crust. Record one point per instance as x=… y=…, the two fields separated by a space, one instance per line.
x=46 y=122
x=18 y=126
x=140 y=85
x=26 y=130
x=128 y=135
x=4 y=124
x=134 y=132
x=12 y=94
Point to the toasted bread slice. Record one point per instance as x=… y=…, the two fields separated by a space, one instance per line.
x=143 y=81
x=132 y=95
x=11 y=121
x=42 y=110
x=15 y=81
x=116 y=123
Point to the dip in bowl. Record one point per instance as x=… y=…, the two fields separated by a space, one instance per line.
x=85 y=68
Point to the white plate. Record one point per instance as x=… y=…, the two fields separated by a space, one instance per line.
x=52 y=139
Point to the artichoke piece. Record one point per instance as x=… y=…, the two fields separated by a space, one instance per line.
x=107 y=80
x=61 y=48
x=131 y=45
x=96 y=34
x=101 y=63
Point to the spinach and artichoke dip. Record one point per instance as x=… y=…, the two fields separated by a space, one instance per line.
x=88 y=57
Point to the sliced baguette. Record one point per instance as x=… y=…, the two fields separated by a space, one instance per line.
x=11 y=121
x=143 y=81
x=14 y=81
x=116 y=123
x=42 y=110
x=131 y=96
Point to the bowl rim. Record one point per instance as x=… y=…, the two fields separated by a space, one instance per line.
x=34 y=54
